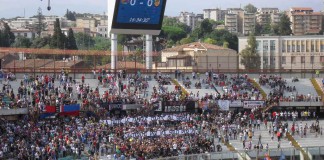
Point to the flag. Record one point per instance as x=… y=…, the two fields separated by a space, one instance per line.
x=50 y=109
x=70 y=110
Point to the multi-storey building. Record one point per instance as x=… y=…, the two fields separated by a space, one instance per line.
x=240 y=22
x=189 y=19
x=231 y=22
x=215 y=14
x=248 y=23
x=267 y=15
x=305 y=21
x=288 y=52
x=86 y=22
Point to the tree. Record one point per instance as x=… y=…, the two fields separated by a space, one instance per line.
x=84 y=41
x=41 y=42
x=70 y=15
x=250 y=8
x=186 y=40
x=173 y=33
x=225 y=44
x=206 y=27
x=249 y=56
x=222 y=35
x=284 y=26
x=39 y=25
x=6 y=36
x=210 y=41
x=70 y=41
x=58 y=38
x=22 y=42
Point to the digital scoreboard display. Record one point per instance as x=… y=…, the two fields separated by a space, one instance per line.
x=139 y=14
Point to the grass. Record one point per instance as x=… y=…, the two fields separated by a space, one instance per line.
x=317 y=87
x=297 y=146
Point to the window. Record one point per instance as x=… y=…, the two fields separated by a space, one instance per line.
x=288 y=48
x=312 y=59
x=265 y=46
x=25 y=34
x=303 y=47
x=283 y=46
x=322 y=47
x=322 y=59
x=293 y=60
x=283 y=60
x=302 y=59
x=272 y=45
x=258 y=46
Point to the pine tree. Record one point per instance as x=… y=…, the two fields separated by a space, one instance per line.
x=70 y=41
x=58 y=38
x=7 y=37
x=39 y=25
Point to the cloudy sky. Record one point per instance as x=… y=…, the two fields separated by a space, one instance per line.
x=13 y=8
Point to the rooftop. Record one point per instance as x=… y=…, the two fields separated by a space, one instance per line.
x=194 y=46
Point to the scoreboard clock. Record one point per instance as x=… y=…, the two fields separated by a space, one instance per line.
x=136 y=16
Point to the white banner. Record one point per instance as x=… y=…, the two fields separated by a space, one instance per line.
x=253 y=104
x=236 y=103
x=224 y=105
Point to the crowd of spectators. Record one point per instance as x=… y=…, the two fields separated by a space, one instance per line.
x=141 y=134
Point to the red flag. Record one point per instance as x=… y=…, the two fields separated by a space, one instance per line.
x=50 y=109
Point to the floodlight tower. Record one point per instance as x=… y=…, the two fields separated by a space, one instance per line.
x=49 y=5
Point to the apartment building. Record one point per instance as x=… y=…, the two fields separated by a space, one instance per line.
x=231 y=22
x=240 y=22
x=86 y=22
x=288 y=52
x=190 y=19
x=248 y=23
x=267 y=15
x=305 y=21
x=215 y=14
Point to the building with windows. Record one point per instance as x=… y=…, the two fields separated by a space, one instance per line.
x=268 y=15
x=215 y=14
x=305 y=21
x=288 y=52
x=198 y=56
x=240 y=22
x=190 y=19
x=102 y=31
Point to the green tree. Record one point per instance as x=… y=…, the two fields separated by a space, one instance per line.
x=225 y=44
x=22 y=42
x=249 y=56
x=222 y=36
x=84 y=41
x=6 y=36
x=173 y=33
x=101 y=44
x=206 y=27
x=250 y=8
x=186 y=40
x=70 y=15
x=58 y=38
x=210 y=41
x=284 y=26
x=70 y=41
x=40 y=42
x=39 y=25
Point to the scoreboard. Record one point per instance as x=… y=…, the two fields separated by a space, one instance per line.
x=136 y=16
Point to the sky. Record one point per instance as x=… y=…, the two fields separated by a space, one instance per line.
x=14 y=8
